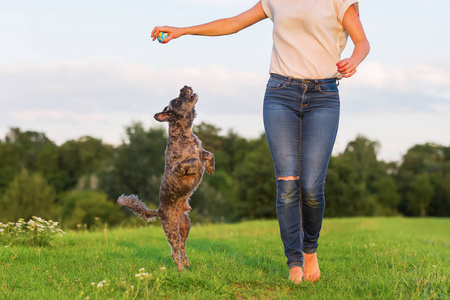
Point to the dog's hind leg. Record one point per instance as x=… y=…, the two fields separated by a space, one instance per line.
x=171 y=230
x=185 y=226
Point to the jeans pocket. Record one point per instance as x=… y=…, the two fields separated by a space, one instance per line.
x=275 y=84
x=329 y=88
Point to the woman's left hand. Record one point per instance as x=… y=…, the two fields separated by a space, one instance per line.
x=346 y=67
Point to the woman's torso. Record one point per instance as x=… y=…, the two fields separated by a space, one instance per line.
x=308 y=37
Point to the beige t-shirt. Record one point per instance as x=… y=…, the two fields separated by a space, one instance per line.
x=308 y=36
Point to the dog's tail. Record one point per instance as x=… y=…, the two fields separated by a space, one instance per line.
x=138 y=207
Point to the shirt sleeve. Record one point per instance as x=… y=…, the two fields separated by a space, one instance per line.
x=342 y=6
x=266 y=8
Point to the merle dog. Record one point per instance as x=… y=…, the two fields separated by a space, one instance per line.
x=186 y=161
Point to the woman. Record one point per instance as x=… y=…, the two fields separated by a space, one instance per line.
x=301 y=107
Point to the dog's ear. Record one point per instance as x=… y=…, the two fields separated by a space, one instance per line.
x=163 y=116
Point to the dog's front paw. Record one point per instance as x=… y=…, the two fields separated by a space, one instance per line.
x=188 y=167
x=208 y=158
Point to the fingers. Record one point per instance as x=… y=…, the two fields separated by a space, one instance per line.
x=172 y=33
x=169 y=37
x=346 y=67
x=156 y=31
x=349 y=74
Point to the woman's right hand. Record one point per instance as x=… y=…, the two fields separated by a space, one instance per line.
x=215 y=28
x=172 y=33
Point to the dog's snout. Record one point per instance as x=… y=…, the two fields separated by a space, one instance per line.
x=186 y=92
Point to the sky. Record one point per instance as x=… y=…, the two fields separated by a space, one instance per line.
x=87 y=67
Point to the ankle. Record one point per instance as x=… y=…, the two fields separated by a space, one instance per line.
x=310 y=256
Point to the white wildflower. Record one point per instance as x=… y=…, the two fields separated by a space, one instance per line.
x=141 y=270
x=100 y=284
x=92 y=283
x=162 y=268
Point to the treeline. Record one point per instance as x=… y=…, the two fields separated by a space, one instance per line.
x=77 y=182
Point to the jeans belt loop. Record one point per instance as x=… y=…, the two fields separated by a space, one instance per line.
x=289 y=81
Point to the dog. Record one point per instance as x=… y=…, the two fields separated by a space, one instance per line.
x=185 y=162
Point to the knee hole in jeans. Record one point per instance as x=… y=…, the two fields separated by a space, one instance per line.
x=288 y=178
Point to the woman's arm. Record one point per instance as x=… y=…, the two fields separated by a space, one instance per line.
x=215 y=28
x=352 y=23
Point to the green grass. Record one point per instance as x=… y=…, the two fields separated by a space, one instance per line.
x=360 y=258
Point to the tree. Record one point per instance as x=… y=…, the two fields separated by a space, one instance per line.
x=255 y=181
x=387 y=197
x=88 y=207
x=85 y=156
x=26 y=196
x=28 y=150
x=345 y=193
x=137 y=165
x=362 y=154
x=433 y=160
x=419 y=195
x=209 y=135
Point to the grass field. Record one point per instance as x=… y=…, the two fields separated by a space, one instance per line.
x=360 y=258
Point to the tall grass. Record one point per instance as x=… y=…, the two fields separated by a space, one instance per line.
x=360 y=258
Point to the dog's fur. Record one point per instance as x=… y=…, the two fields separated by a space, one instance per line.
x=186 y=161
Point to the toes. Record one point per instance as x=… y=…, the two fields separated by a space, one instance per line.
x=296 y=275
x=312 y=277
x=297 y=280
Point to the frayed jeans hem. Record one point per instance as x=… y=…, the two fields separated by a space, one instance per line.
x=309 y=251
x=295 y=264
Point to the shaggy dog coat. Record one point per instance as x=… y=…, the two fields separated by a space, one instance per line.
x=185 y=163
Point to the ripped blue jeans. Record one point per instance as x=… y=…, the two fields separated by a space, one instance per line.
x=301 y=119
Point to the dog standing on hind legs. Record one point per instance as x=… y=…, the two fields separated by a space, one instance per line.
x=185 y=163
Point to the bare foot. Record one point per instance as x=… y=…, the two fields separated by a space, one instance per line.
x=295 y=275
x=312 y=271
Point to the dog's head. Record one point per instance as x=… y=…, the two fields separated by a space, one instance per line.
x=182 y=107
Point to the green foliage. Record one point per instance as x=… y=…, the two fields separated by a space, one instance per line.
x=433 y=160
x=35 y=232
x=255 y=182
x=86 y=208
x=78 y=158
x=137 y=165
x=26 y=196
x=345 y=194
x=211 y=201
x=243 y=186
x=387 y=196
x=27 y=150
x=419 y=195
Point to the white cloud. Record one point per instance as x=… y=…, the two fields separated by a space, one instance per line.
x=422 y=78
x=56 y=115
x=69 y=99
x=397 y=105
